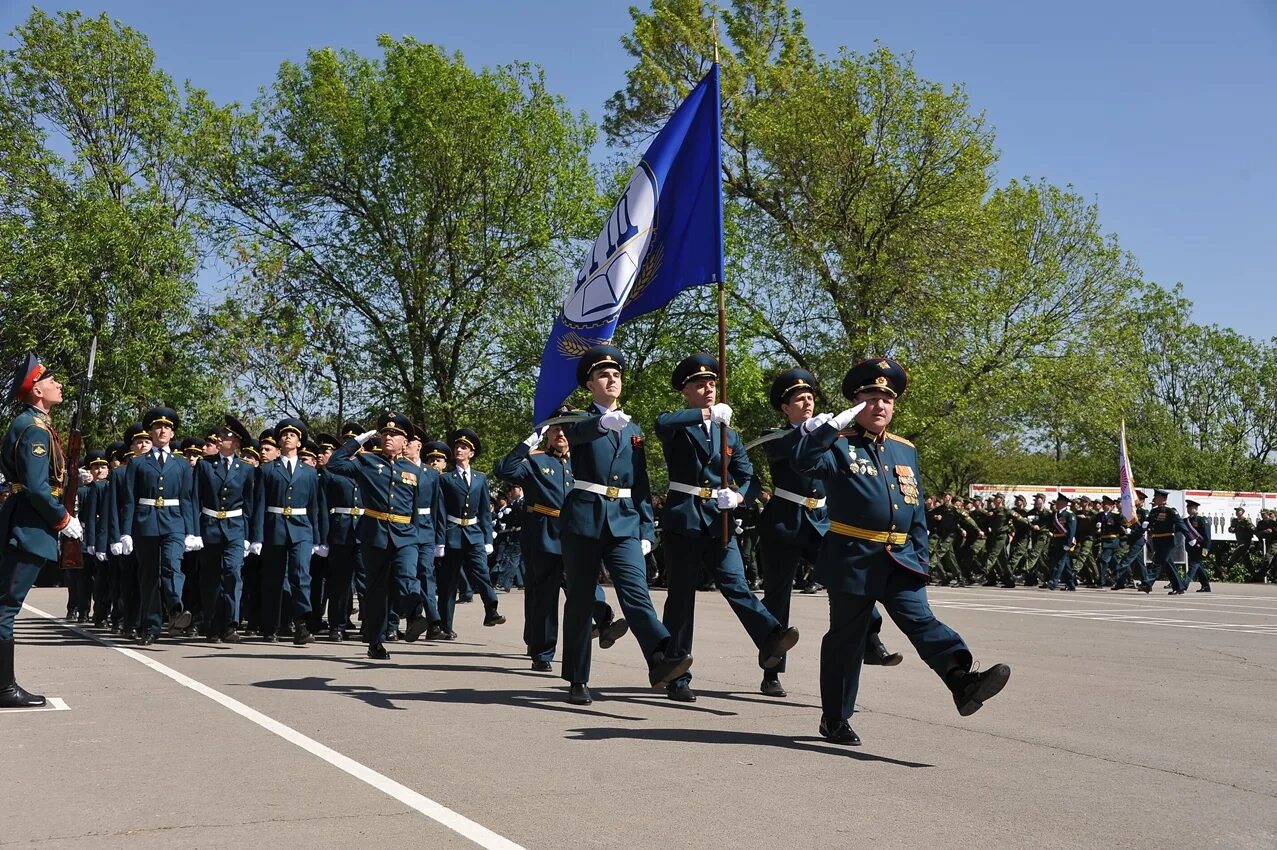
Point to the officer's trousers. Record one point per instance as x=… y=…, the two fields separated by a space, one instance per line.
x=386 y=568
x=1162 y=549
x=221 y=568
x=342 y=560
x=103 y=576
x=683 y=577
x=1197 y=568
x=1107 y=567
x=159 y=578
x=289 y=564
x=842 y=650
x=780 y=565
x=426 y=578
x=1134 y=556
x=622 y=557
x=474 y=562
x=18 y=571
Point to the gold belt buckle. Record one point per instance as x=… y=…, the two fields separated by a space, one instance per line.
x=706 y=493
x=288 y=511
x=221 y=514
x=812 y=502
x=613 y=492
x=356 y=511
x=159 y=503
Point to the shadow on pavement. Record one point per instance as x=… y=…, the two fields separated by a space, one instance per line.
x=727 y=736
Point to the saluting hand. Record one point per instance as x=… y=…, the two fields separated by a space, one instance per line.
x=614 y=420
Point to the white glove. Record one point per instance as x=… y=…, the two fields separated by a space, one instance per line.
x=101 y=556
x=614 y=420
x=534 y=439
x=646 y=547
x=842 y=420
x=73 y=529
x=1192 y=542
x=1099 y=526
x=815 y=422
x=88 y=550
x=255 y=549
x=193 y=543
x=116 y=549
x=720 y=414
x=247 y=547
x=366 y=436
x=321 y=551
x=126 y=544
x=439 y=551
x=1144 y=524
x=86 y=477
x=727 y=499
x=487 y=547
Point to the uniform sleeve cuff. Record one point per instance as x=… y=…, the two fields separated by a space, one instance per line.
x=62 y=523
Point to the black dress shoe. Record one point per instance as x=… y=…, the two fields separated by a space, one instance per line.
x=579 y=694
x=270 y=638
x=416 y=629
x=666 y=668
x=449 y=635
x=776 y=645
x=378 y=652
x=681 y=692
x=543 y=666
x=302 y=635
x=15 y=696
x=146 y=639
x=1175 y=593
x=838 y=732
x=772 y=688
x=434 y=632
x=971 y=689
x=1145 y=588
x=877 y=654
x=493 y=618
x=612 y=632
x=230 y=636
x=1203 y=590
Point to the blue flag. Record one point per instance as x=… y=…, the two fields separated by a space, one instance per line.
x=664 y=235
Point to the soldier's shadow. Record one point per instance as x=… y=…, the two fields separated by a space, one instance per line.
x=732 y=737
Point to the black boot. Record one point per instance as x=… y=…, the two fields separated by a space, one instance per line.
x=876 y=653
x=971 y=689
x=11 y=693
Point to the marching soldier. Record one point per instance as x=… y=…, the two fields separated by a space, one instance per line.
x=877 y=548
x=105 y=572
x=1163 y=522
x=1266 y=533
x=942 y=530
x=1063 y=531
x=1022 y=541
x=795 y=520
x=158 y=520
x=692 y=518
x=1244 y=531
x=431 y=533
x=1084 y=555
x=1109 y=526
x=468 y=535
x=1197 y=544
x=224 y=487
x=128 y=598
x=388 y=532
x=93 y=507
x=997 y=560
x=345 y=507
x=1135 y=555
x=546 y=477
x=32 y=518
x=1040 y=518
x=607 y=521
x=285 y=524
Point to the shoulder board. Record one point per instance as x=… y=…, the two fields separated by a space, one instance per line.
x=39 y=422
x=900 y=439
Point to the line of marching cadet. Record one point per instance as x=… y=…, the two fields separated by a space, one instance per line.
x=1056 y=546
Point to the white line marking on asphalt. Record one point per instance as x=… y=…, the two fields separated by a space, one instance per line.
x=437 y=812
x=51 y=704
x=1111 y=617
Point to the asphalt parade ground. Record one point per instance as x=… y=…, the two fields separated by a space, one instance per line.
x=1129 y=721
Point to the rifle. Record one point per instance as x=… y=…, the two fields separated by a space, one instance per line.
x=73 y=550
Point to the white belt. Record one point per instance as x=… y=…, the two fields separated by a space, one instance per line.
x=287 y=511
x=159 y=503
x=599 y=489
x=222 y=514
x=806 y=501
x=457 y=520
x=698 y=492
x=347 y=511
x=423 y=511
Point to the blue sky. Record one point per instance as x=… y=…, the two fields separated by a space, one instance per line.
x=1164 y=113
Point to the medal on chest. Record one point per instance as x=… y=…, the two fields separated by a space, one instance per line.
x=908 y=484
x=862 y=465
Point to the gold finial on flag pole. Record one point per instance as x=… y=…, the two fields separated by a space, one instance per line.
x=714 y=28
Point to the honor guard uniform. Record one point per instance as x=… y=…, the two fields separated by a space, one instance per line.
x=32 y=518
x=607 y=522
x=1163 y=524
x=224 y=494
x=310 y=453
x=877 y=548
x=345 y=507
x=795 y=520
x=692 y=519
x=285 y=524
x=128 y=596
x=1063 y=530
x=469 y=533
x=1109 y=528
x=1197 y=544
x=1135 y=553
x=546 y=478
x=431 y=534
x=93 y=510
x=388 y=534
x=104 y=572
x=159 y=524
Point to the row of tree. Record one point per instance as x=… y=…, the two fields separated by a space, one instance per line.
x=398 y=231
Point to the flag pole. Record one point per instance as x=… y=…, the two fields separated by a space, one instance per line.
x=724 y=472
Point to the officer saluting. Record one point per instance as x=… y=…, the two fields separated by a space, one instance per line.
x=388 y=533
x=224 y=493
x=468 y=537
x=607 y=521
x=158 y=521
x=795 y=520
x=877 y=548
x=32 y=517
x=692 y=518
